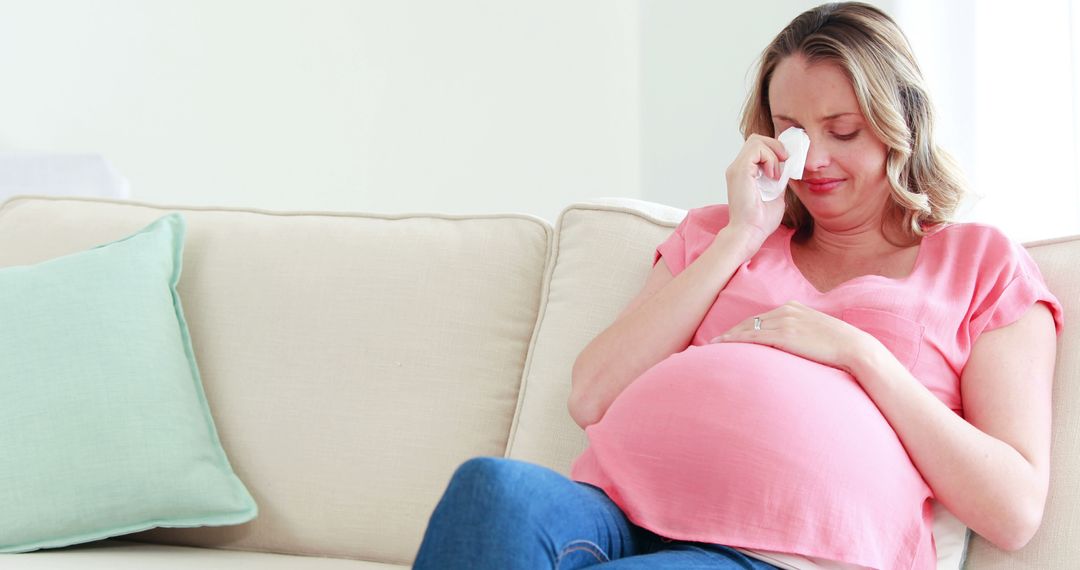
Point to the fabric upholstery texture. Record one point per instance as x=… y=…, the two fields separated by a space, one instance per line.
x=104 y=426
x=130 y=555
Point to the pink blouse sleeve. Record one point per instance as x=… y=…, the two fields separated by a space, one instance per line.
x=673 y=249
x=691 y=237
x=1010 y=283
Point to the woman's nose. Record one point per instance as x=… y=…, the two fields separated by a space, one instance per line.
x=818 y=155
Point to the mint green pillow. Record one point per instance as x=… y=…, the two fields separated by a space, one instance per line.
x=104 y=426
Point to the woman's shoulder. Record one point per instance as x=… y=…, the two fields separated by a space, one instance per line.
x=971 y=234
x=997 y=270
x=976 y=245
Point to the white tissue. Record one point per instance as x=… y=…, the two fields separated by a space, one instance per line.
x=797 y=144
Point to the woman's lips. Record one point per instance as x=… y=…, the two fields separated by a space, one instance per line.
x=821 y=185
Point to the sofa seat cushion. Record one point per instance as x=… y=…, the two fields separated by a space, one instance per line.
x=129 y=555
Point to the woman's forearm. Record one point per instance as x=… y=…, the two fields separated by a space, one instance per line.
x=658 y=327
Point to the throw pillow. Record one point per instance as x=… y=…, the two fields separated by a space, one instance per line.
x=104 y=426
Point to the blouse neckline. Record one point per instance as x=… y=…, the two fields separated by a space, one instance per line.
x=858 y=278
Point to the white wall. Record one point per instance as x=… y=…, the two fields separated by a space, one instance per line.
x=420 y=105
x=486 y=105
x=1005 y=83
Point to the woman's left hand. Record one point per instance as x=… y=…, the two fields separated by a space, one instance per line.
x=802 y=331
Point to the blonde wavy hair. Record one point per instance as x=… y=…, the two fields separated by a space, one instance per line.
x=926 y=185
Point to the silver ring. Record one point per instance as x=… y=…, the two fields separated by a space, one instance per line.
x=757 y=323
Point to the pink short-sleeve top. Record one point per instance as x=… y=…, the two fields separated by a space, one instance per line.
x=752 y=447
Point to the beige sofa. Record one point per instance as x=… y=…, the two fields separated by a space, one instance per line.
x=353 y=361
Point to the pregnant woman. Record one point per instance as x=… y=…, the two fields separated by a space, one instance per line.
x=798 y=378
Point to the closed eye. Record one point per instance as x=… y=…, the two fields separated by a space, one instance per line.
x=846 y=136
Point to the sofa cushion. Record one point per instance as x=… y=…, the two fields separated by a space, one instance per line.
x=104 y=428
x=603 y=253
x=129 y=555
x=351 y=362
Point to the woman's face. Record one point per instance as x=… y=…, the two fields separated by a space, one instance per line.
x=844 y=186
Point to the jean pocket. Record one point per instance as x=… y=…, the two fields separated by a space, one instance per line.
x=903 y=337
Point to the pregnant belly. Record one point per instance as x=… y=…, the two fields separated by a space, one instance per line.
x=740 y=440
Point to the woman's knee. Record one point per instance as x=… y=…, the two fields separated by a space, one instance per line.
x=490 y=473
x=500 y=480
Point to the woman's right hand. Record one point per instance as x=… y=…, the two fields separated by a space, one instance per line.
x=759 y=156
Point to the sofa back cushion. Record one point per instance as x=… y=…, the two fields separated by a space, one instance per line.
x=351 y=362
x=603 y=253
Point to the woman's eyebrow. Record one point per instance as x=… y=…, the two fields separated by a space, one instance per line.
x=825 y=118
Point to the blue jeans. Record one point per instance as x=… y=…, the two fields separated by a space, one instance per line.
x=506 y=514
